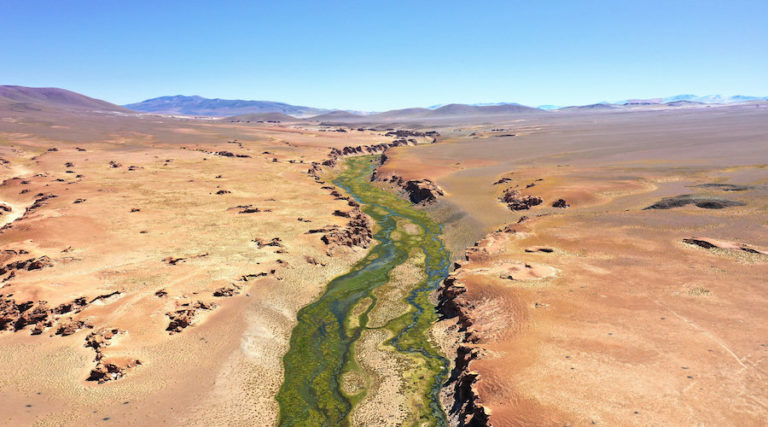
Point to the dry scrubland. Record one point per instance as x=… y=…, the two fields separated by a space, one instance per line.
x=605 y=312
x=150 y=230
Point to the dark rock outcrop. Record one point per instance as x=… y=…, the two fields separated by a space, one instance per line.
x=422 y=191
x=726 y=187
x=706 y=244
x=358 y=232
x=17 y=316
x=335 y=154
x=70 y=326
x=418 y=190
x=227 y=291
x=185 y=314
x=466 y=408
x=517 y=202
x=27 y=265
x=107 y=370
x=698 y=201
x=275 y=241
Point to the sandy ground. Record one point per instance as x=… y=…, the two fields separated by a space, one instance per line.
x=600 y=313
x=148 y=221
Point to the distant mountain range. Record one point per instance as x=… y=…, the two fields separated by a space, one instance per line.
x=20 y=99
x=715 y=99
x=673 y=101
x=444 y=111
x=477 y=104
x=199 y=106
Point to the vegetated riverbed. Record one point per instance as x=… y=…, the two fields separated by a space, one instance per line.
x=361 y=353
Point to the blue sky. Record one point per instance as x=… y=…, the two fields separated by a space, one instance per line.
x=378 y=55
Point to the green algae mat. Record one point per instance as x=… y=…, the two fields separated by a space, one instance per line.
x=361 y=353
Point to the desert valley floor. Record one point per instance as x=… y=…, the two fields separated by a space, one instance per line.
x=608 y=267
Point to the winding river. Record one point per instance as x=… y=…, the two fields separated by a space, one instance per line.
x=328 y=375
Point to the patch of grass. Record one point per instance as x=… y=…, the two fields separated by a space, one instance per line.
x=322 y=350
x=699 y=292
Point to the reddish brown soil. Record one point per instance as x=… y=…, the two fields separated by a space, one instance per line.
x=635 y=326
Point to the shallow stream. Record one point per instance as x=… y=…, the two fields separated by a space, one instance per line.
x=322 y=361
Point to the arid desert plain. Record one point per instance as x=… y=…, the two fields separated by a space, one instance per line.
x=459 y=266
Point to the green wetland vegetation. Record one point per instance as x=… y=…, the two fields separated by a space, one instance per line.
x=362 y=351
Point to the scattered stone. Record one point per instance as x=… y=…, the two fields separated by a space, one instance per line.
x=172 y=260
x=227 y=291
x=249 y=209
x=312 y=260
x=539 y=249
x=274 y=242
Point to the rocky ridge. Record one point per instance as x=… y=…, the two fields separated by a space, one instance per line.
x=358 y=231
x=467 y=408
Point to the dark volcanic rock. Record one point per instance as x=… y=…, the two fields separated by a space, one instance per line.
x=27 y=265
x=357 y=232
x=227 y=291
x=183 y=317
x=698 y=201
x=70 y=326
x=518 y=202
x=109 y=371
x=422 y=190
x=702 y=243
x=726 y=187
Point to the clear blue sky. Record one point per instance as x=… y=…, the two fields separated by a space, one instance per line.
x=377 y=55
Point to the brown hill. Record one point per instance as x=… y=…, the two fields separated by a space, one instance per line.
x=401 y=114
x=263 y=117
x=462 y=111
x=451 y=110
x=338 y=115
x=21 y=98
